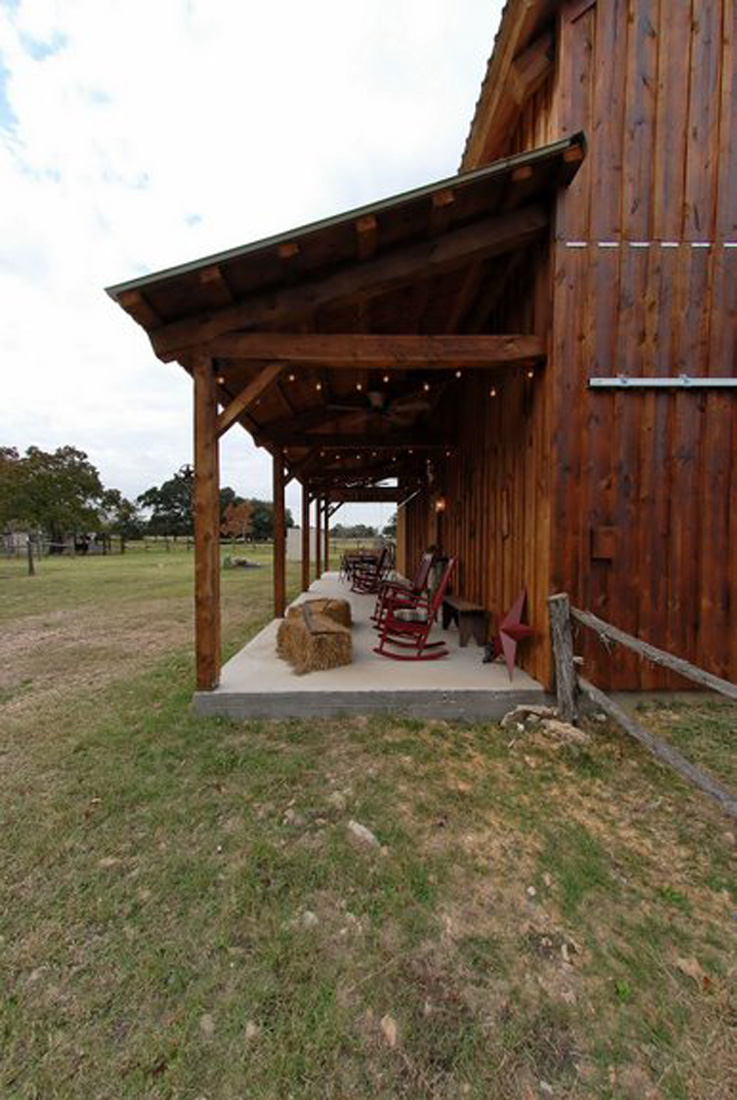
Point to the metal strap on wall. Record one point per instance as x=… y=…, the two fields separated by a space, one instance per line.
x=682 y=382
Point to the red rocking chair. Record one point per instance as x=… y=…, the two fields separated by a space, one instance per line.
x=408 y=627
x=367 y=576
x=400 y=593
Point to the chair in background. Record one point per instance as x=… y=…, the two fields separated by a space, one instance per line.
x=367 y=576
x=399 y=592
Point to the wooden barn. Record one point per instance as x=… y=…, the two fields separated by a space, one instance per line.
x=537 y=353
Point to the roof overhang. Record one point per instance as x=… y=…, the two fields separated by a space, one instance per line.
x=521 y=61
x=338 y=341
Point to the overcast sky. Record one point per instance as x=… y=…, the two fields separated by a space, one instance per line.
x=137 y=134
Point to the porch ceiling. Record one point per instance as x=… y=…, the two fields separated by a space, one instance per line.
x=338 y=342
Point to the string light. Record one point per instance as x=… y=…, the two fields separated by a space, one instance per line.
x=492 y=392
x=292 y=377
x=386 y=378
x=426 y=387
x=318 y=386
x=220 y=379
x=459 y=374
x=530 y=374
x=359 y=386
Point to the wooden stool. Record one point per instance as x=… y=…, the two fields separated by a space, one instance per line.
x=470 y=617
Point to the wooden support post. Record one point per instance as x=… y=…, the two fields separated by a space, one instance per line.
x=318 y=540
x=305 y=538
x=280 y=544
x=207 y=527
x=565 y=669
x=327 y=534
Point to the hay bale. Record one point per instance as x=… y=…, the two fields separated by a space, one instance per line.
x=338 y=610
x=312 y=640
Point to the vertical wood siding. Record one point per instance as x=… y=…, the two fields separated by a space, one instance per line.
x=641 y=509
x=653 y=85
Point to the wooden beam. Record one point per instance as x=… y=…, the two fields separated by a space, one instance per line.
x=379 y=494
x=531 y=68
x=351 y=441
x=366 y=236
x=247 y=397
x=487 y=237
x=665 y=752
x=561 y=635
x=207 y=527
x=305 y=538
x=370 y=351
x=139 y=308
x=659 y=657
x=297 y=469
x=214 y=280
x=280 y=547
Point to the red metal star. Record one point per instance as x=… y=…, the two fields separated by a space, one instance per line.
x=512 y=631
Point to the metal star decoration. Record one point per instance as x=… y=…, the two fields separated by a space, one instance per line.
x=512 y=630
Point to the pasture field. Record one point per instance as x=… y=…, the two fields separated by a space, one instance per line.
x=186 y=913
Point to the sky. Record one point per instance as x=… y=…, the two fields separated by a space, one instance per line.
x=139 y=134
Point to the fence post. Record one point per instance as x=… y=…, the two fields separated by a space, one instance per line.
x=566 y=687
x=29 y=551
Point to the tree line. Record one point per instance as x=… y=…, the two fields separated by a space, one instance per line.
x=57 y=494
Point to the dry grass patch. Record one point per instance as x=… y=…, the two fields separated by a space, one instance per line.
x=185 y=911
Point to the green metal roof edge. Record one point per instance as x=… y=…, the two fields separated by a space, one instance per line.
x=461 y=179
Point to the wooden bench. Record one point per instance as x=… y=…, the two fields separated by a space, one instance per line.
x=470 y=617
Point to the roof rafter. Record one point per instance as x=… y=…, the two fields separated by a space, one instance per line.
x=490 y=236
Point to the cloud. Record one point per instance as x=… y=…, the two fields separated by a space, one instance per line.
x=135 y=136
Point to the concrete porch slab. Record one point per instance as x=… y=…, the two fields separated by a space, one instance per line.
x=256 y=683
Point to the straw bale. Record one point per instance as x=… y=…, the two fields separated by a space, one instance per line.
x=312 y=640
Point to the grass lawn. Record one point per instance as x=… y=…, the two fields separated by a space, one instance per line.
x=186 y=913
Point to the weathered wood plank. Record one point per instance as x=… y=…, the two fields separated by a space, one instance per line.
x=247 y=397
x=491 y=236
x=561 y=637
x=657 y=656
x=207 y=528
x=669 y=755
x=369 y=351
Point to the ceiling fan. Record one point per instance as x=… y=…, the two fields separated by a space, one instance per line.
x=401 y=410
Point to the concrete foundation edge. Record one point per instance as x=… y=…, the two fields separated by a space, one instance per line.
x=451 y=705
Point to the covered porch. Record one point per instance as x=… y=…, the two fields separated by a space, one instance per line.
x=256 y=683
x=358 y=351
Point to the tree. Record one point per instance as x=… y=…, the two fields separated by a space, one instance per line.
x=121 y=516
x=262 y=519
x=55 y=493
x=170 y=504
x=356 y=531
x=236 y=522
x=390 y=529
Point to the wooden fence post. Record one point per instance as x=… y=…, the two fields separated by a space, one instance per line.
x=566 y=688
x=29 y=551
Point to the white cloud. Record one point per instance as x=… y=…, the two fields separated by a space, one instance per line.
x=141 y=134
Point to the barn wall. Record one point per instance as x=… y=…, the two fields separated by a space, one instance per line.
x=644 y=521
x=496 y=481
